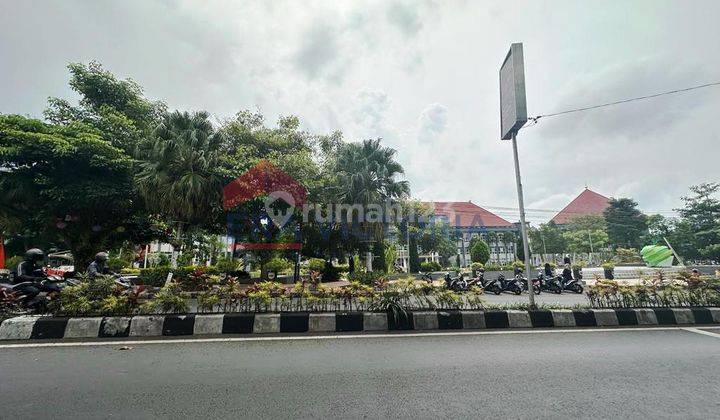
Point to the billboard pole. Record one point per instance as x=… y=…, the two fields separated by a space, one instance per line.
x=523 y=228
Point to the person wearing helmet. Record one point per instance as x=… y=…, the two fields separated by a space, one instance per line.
x=98 y=266
x=30 y=268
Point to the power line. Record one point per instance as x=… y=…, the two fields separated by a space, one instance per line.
x=638 y=98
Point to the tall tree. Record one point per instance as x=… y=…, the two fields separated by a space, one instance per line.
x=586 y=234
x=178 y=176
x=117 y=108
x=547 y=238
x=65 y=183
x=626 y=224
x=702 y=213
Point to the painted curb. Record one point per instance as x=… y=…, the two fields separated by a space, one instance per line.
x=44 y=327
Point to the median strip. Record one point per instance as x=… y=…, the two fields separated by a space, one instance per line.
x=45 y=327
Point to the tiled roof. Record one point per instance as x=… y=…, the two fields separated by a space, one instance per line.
x=588 y=202
x=467 y=214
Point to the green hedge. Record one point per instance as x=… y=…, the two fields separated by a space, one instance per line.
x=156 y=276
x=430 y=266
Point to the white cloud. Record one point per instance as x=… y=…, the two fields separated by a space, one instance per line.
x=396 y=69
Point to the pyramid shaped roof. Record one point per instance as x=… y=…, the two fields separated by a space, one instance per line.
x=587 y=203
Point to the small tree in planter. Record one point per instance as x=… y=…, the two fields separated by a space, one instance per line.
x=480 y=252
x=577 y=269
x=608 y=269
x=475 y=267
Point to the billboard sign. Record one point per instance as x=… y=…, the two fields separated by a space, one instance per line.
x=513 y=108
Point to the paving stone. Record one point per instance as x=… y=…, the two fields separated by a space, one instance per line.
x=83 y=327
x=519 y=319
x=605 y=317
x=375 y=321
x=425 y=320
x=208 y=324
x=684 y=316
x=19 y=328
x=266 y=323
x=646 y=316
x=473 y=320
x=563 y=317
x=321 y=322
x=146 y=326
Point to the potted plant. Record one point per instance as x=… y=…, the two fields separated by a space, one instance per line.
x=608 y=269
x=577 y=270
x=475 y=267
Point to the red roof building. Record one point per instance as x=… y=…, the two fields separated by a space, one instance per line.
x=587 y=203
x=464 y=214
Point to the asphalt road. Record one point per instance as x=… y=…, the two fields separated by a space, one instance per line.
x=607 y=374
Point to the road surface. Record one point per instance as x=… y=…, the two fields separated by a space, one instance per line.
x=658 y=373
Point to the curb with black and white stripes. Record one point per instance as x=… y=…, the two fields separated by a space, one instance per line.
x=29 y=327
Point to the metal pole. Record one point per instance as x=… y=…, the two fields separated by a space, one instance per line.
x=673 y=251
x=591 y=247
x=523 y=229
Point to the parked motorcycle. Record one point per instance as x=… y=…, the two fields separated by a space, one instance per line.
x=537 y=284
x=490 y=285
x=427 y=277
x=457 y=283
x=549 y=283
x=572 y=285
x=513 y=285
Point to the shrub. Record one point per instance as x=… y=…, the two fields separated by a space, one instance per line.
x=430 y=266
x=278 y=265
x=227 y=264
x=366 y=278
x=168 y=300
x=13 y=262
x=316 y=264
x=480 y=252
x=116 y=264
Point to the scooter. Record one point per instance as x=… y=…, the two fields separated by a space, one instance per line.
x=457 y=284
x=32 y=296
x=490 y=285
x=572 y=285
x=512 y=286
x=549 y=284
x=537 y=284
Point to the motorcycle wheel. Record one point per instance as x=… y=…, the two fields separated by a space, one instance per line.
x=518 y=291
x=497 y=291
x=537 y=290
x=578 y=289
x=558 y=291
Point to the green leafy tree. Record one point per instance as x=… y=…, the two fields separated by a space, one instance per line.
x=702 y=213
x=547 y=238
x=659 y=227
x=625 y=224
x=69 y=184
x=117 y=108
x=479 y=251
x=178 y=178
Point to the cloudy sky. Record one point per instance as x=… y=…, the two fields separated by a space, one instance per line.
x=423 y=75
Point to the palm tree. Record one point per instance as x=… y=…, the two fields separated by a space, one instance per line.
x=367 y=174
x=177 y=177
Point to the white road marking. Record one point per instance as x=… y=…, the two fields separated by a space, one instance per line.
x=334 y=337
x=698 y=331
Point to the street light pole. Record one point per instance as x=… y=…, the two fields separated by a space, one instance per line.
x=523 y=229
